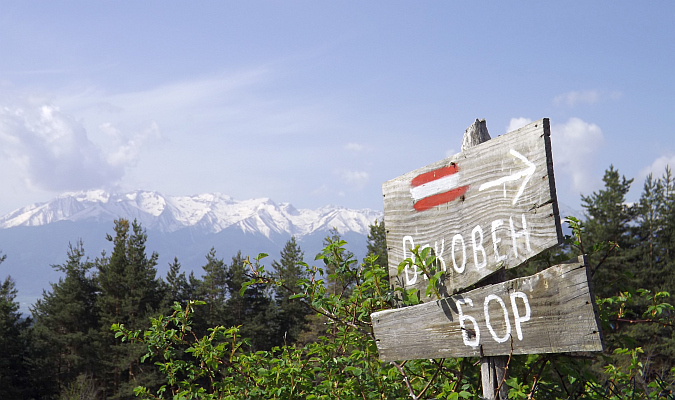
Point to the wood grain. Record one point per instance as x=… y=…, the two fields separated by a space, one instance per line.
x=478 y=211
x=561 y=319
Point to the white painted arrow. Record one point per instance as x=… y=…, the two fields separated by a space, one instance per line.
x=525 y=173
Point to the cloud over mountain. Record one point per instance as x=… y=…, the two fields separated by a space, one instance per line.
x=52 y=150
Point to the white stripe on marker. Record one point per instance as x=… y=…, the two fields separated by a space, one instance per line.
x=441 y=185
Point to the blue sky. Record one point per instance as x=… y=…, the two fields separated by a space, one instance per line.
x=318 y=103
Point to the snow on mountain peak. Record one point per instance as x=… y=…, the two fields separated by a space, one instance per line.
x=90 y=195
x=209 y=212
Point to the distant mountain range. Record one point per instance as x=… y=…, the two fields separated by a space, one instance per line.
x=187 y=227
x=207 y=213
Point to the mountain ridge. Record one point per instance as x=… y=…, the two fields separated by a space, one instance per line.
x=208 y=212
x=37 y=236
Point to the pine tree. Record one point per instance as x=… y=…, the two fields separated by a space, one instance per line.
x=665 y=238
x=339 y=278
x=192 y=288
x=129 y=295
x=292 y=314
x=214 y=291
x=377 y=243
x=654 y=269
x=253 y=309
x=66 y=325
x=608 y=222
x=15 y=374
x=176 y=286
x=648 y=230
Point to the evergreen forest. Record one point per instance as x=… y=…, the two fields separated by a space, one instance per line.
x=250 y=328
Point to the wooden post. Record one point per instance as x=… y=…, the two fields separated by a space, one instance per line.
x=492 y=369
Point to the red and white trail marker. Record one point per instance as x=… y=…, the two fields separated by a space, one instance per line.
x=436 y=187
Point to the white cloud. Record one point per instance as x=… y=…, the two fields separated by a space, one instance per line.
x=450 y=152
x=356 y=179
x=517 y=123
x=126 y=148
x=573 y=98
x=227 y=105
x=657 y=168
x=52 y=150
x=355 y=147
x=574 y=143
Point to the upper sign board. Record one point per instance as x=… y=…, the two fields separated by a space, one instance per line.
x=489 y=207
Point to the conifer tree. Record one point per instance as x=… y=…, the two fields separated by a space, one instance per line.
x=337 y=281
x=377 y=243
x=654 y=267
x=253 y=309
x=292 y=314
x=608 y=221
x=66 y=325
x=176 y=286
x=192 y=288
x=648 y=231
x=665 y=238
x=15 y=374
x=129 y=295
x=212 y=290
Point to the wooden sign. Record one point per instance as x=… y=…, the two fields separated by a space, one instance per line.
x=549 y=312
x=491 y=206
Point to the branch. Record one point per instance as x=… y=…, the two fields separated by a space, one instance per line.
x=506 y=370
x=639 y=321
x=325 y=313
x=614 y=246
x=440 y=366
x=337 y=319
x=535 y=381
x=405 y=379
x=562 y=380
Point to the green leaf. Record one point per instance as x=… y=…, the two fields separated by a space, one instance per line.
x=244 y=286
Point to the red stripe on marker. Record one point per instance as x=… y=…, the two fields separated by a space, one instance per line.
x=427 y=177
x=438 y=199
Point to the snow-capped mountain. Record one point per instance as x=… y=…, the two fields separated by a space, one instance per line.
x=187 y=227
x=207 y=213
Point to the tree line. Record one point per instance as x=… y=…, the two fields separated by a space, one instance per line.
x=66 y=348
x=292 y=330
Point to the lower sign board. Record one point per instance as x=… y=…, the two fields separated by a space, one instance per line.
x=549 y=312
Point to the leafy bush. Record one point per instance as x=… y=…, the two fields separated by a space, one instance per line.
x=343 y=363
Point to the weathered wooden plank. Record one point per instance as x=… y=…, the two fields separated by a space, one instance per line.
x=492 y=206
x=549 y=312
